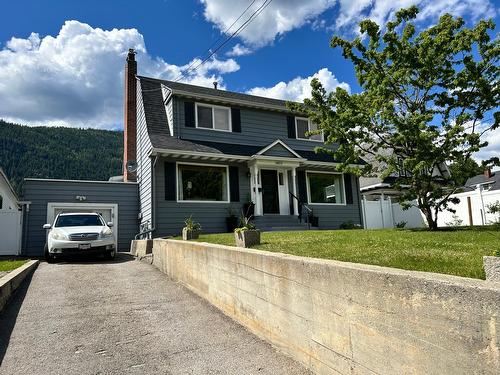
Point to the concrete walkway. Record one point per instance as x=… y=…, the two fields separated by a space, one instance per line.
x=124 y=317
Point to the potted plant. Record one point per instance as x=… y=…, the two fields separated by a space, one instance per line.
x=246 y=235
x=231 y=221
x=191 y=230
x=491 y=266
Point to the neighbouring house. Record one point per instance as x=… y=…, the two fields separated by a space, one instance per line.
x=212 y=153
x=478 y=193
x=10 y=218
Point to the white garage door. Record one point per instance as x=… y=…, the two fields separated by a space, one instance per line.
x=109 y=211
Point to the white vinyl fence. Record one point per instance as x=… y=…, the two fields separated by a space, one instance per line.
x=472 y=209
x=10 y=232
x=385 y=214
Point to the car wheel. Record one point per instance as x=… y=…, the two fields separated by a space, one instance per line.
x=110 y=255
x=48 y=257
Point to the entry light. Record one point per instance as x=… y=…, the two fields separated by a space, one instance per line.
x=81 y=198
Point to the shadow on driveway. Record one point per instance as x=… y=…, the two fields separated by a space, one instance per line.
x=8 y=315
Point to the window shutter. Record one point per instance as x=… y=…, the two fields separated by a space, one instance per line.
x=302 y=185
x=236 y=120
x=170 y=181
x=234 y=184
x=290 y=120
x=189 y=120
x=348 y=188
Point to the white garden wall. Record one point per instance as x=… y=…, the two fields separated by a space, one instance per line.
x=385 y=214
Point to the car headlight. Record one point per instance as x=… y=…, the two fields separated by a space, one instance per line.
x=56 y=235
x=106 y=233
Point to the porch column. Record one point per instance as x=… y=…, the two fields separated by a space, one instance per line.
x=294 y=190
x=258 y=195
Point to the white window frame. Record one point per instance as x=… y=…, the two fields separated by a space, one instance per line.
x=228 y=188
x=308 y=129
x=325 y=204
x=213 y=117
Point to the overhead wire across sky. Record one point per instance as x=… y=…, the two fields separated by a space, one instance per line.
x=191 y=68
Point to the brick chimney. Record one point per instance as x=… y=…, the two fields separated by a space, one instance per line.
x=130 y=127
x=487 y=173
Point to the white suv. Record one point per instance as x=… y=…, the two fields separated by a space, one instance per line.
x=79 y=233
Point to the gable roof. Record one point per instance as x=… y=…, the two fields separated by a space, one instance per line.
x=481 y=179
x=7 y=182
x=279 y=148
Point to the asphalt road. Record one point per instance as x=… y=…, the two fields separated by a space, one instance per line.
x=124 y=317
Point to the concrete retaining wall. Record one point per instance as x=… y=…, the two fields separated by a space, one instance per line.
x=10 y=282
x=344 y=318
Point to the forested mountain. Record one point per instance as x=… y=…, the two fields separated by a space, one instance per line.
x=58 y=152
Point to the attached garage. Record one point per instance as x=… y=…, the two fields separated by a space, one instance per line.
x=116 y=201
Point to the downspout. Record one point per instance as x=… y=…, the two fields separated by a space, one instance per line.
x=153 y=192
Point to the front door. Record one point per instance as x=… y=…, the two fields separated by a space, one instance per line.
x=270 y=195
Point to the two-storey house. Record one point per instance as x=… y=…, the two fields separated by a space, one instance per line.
x=207 y=152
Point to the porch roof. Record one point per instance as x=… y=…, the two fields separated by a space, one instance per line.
x=221 y=150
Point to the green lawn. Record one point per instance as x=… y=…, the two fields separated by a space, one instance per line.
x=9 y=265
x=455 y=252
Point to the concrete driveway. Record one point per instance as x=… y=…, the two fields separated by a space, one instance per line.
x=124 y=317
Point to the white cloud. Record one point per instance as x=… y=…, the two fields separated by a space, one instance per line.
x=277 y=18
x=493 y=148
x=76 y=77
x=239 y=50
x=299 y=88
x=351 y=12
x=282 y=16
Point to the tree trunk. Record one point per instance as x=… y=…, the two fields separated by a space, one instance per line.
x=431 y=221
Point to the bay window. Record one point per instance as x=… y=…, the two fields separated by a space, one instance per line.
x=325 y=188
x=202 y=183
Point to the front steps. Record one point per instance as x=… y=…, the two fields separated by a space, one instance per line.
x=274 y=223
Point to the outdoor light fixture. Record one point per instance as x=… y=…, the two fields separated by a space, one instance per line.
x=81 y=198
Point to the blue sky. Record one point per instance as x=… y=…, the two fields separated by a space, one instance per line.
x=62 y=61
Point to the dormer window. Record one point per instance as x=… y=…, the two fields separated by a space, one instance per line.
x=304 y=125
x=213 y=117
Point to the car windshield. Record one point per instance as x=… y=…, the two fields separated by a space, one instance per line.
x=78 y=221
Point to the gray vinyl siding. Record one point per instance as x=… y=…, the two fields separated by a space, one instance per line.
x=258 y=128
x=41 y=192
x=144 y=176
x=170 y=215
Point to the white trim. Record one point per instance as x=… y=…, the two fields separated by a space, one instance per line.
x=325 y=204
x=377 y=185
x=247 y=103
x=79 y=181
x=228 y=192
x=51 y=206
x=322 y=140
x=278 y=141
x=213 y=106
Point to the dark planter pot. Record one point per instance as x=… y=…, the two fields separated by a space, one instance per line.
x=231 y=223
x=188 y=234
x=248 y=209
x=247 y=238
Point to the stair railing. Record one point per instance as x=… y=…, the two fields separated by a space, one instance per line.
x=301 y=207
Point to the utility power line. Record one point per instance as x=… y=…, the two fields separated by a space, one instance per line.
x=243 y=26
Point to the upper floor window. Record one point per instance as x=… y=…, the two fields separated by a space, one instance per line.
x=213 y=117
x=304 y=125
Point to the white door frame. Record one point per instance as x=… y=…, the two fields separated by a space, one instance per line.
x=52 y=206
